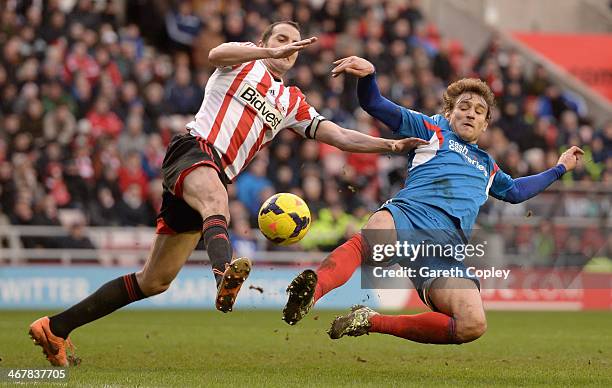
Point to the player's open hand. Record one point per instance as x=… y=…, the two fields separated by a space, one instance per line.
x=570 y=158
x=407 y=144
x=291 y=48
x=356 y=66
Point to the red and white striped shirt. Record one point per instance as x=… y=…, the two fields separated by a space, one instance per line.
x=244 y=107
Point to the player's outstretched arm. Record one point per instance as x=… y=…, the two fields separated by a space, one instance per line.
x=368 y=93
x=521 y=189
x=354 y=141
x=229 y=54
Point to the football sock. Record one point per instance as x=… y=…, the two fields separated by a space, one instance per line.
x=108 y=298
x=216 y=241
x=338 y=267
x=426 y=328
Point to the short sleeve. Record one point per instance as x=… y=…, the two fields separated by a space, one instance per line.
x=501 y=183
x=301 y=117
x=416 y=124
x=234 y=67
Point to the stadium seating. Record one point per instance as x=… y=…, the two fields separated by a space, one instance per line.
x=91 y=95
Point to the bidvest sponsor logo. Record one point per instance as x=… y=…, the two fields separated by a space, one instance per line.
x=463 y=150
x=268 y=113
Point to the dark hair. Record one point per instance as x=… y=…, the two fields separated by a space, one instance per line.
x=268 y=31
x=467 y=85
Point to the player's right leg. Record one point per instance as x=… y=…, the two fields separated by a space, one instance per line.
x=195 y=192
x=204 y=192
x=458 y=317
x=334 y=271
x=166 y=258
x=460 y=299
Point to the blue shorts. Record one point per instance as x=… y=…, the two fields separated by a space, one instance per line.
x=416 y=222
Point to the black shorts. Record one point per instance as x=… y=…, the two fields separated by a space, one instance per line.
x=185 y=153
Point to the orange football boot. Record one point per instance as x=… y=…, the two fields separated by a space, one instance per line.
x=235 y=274
x=54 y=347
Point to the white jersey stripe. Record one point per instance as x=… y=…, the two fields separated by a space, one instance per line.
x=424 y=154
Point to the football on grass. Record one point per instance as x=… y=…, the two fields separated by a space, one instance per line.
x=284 y=218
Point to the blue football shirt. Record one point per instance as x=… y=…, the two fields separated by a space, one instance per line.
x=449 y=173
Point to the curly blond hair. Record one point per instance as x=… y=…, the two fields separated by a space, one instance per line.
x=467 y=85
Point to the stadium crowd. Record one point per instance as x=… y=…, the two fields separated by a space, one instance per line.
x=90 y=95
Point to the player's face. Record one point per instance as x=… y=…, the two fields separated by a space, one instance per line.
x=469 y=117
x=283 y=34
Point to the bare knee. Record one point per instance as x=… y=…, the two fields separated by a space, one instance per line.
x=205 y=198
x=470 y=328
x=460 y=299
x=150 y=285
x=382 y=220
x=209 y=205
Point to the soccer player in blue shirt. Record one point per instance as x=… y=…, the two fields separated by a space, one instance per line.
x=449 y=179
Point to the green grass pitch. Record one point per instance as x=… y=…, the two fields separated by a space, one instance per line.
x=255 y=348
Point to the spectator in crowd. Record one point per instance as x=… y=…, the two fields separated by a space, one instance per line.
x=24 y=215
x=59 y=124
x=132 y=173
x=103 y=120
x=77 y=238
x=251 y=183
x=182 y=26
x=182 y=95
x=104 y=211
x=242 y=238
x=132 y=209
x=132 y=140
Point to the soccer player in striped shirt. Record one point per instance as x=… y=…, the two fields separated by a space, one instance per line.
x=246 y=105
x=449 y=179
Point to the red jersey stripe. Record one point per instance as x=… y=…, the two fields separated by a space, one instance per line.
x=435 y=129
x=256 y=146
x=293 y=97
x=281 y=89
x=226 y=101
x=303 y=111
x=246 y=122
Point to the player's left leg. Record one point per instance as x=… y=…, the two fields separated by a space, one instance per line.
x=459 y=317
x=166 y=258
x=460 y=299
x=334 y=271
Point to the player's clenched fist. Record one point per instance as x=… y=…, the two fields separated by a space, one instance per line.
x=570 y=158
x=356 y=66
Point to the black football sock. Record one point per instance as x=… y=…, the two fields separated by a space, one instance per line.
x=216 y=241
x=108 y=298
